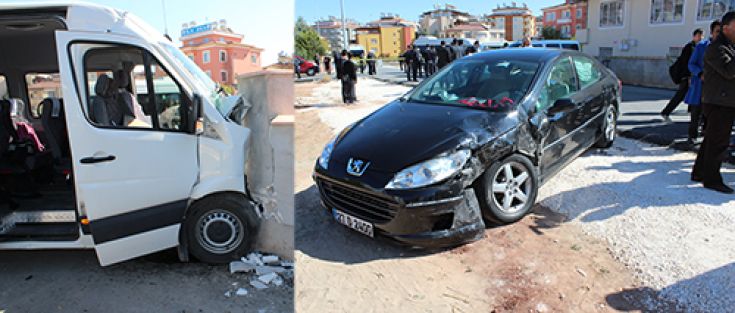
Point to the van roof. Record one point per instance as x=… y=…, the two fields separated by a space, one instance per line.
x=90 y=17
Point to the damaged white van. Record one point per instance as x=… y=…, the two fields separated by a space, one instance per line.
x=112 y=139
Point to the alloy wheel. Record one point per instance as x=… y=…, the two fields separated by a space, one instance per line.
x=510 y=187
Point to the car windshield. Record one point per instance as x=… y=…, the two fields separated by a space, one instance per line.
x=482 y=83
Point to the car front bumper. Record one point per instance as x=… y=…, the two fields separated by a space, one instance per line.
x=431 y=217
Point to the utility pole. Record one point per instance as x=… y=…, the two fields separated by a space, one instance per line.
x=344 y=26
x=165 y=22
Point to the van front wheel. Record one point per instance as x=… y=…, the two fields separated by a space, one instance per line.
x=221 y=228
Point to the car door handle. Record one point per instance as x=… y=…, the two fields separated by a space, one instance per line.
x=92 y=160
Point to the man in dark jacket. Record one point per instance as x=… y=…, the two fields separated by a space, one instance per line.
x=430 y=60
x=348 y=78
x=442 y=54
x=681 y=65
x=338 y=63
x=412 y=62
x=371 y=59
x=718 y=103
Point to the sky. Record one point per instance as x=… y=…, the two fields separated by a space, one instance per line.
x=366 y=11
x=265 y=24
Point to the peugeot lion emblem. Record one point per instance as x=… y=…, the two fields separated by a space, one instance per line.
x=357 y=167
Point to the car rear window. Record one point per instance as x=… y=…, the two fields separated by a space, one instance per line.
x=570 y=46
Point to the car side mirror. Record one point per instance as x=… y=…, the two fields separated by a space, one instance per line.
x=194 y=120
x=564 y=105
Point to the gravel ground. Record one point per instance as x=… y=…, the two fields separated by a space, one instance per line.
x=676 y=236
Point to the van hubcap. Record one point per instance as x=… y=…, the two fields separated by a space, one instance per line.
x=219 y=232
x=510 y=187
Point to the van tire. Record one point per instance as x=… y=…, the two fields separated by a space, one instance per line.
x=491 y=196
x=221 y=228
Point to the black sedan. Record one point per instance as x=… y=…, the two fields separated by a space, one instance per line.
x=468 y=146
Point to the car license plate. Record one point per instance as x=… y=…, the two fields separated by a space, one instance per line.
x=355 y=223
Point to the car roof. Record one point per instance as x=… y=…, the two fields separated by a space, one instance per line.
x=525 y=54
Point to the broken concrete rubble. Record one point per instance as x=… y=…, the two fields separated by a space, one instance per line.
x=266 y=270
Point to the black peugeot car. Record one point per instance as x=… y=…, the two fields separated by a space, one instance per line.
x=471 y=144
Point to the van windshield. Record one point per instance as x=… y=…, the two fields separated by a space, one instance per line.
x=201 y=78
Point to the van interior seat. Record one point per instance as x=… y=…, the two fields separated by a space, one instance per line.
x=54 y=125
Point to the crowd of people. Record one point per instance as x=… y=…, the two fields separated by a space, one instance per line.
x=423 y=62
x=705 y=73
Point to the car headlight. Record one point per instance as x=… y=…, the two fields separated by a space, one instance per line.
x=431 y=171
x=326 y=153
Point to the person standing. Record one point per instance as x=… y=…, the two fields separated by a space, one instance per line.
x=317 y=59
x=694 y=95
x=338 y=63
x=328 y=64
x=419 y=60
x=430 y=61
x=349 y=78
x=457 y=49
x=681 y=73
x=411 y=64
x=371 y=63
x=297 y=67
x=718 y=103
x=526 y=42
x=442 y=55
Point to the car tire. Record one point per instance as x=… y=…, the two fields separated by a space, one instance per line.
x=493 y=190
x=609 y=128
x=311 y=72
x=221 y=228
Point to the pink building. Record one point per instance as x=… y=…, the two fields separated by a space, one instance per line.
x=219 y=51
x=567 y=17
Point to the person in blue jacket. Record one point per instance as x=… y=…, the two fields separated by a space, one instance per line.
x=694 y=95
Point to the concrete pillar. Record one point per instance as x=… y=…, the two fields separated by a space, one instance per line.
x=270 y=165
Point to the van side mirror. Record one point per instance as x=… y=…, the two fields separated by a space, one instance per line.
x=194 y=120
x=564 y=105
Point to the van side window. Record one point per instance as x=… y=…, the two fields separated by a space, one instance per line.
x=560 y=84
x=587 y=72
x=41 y=86
x=128 y=88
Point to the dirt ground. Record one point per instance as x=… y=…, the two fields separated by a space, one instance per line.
x=73 y=281
x=536 y=265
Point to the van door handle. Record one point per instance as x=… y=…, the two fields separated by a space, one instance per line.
x=92 y=160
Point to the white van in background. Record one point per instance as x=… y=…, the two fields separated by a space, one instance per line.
x=554 y=44
x=134 y=150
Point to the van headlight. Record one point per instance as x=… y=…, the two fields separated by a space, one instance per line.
x=429 y=172
x=326 y=153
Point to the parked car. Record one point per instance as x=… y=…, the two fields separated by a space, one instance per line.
x=556 y=44
x=123 y=177
x=307 y=67
x=468 y=146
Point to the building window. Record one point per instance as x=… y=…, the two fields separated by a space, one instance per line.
x=711 y=9
x=205 y=57
x=579 y=13
x=254 y=59
x=566 y=14
x=667 y=11
x=374 y=41
x=205 y=40
x=550 y=16
x=191 y=56
x=223 y=75
x=209 y=73
x=611 y=13
x=223 y=56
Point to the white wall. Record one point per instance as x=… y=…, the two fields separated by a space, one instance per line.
x=653 y=40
